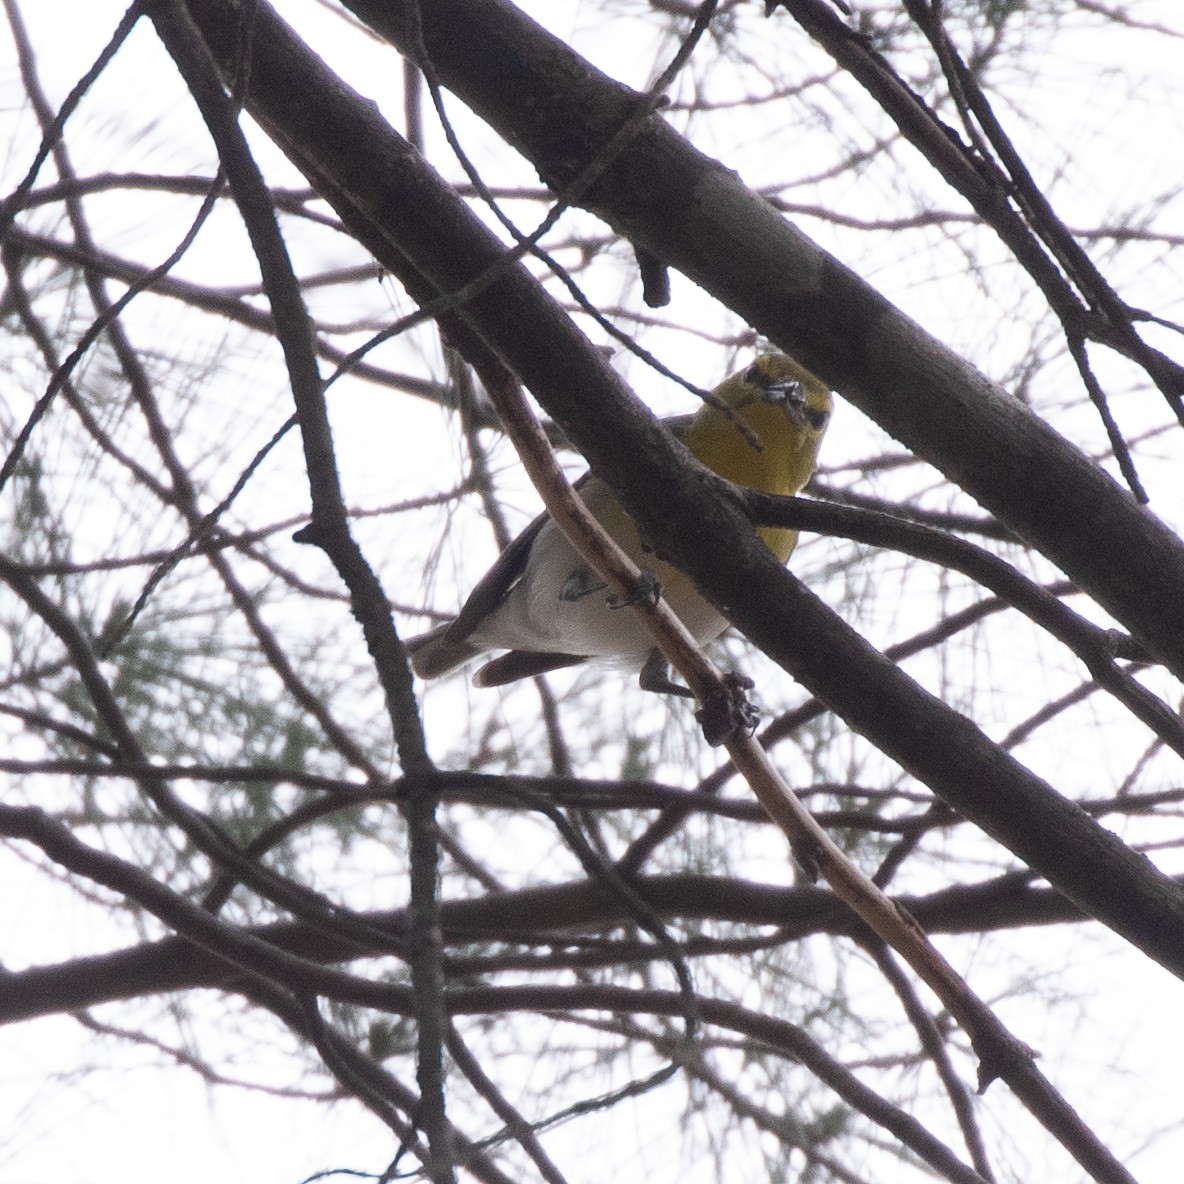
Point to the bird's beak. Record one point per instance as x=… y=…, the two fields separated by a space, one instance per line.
x=790 y=396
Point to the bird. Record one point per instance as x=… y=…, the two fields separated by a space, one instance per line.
x=542 y=602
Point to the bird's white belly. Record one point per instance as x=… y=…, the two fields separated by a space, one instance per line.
x=559 y=605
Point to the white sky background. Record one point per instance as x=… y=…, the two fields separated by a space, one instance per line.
x=91 y=1111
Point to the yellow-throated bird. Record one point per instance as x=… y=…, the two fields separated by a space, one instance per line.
x=545 y=605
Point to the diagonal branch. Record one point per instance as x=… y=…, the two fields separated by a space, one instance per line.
x=691 y=212
x=330 y=530
x=368 y=172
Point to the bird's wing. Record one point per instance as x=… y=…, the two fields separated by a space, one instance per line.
x=494 y=586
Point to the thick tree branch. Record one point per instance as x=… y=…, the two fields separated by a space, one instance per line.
x=536 y=916
x=425 y=233
x=697 y=216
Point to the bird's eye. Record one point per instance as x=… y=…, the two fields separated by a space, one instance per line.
x=817 y=416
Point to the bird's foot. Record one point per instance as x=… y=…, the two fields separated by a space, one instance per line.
x=647 y=590
x=728 y=711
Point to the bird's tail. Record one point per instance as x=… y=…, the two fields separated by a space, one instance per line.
x=433 y=655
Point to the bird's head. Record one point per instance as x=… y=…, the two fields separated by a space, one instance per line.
x=762 y=426
x=778 y=381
